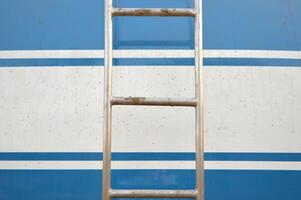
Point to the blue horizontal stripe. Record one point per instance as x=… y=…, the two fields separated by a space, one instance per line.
x=154 y=61
x=252 y=62
x=126 y=156
x=93 y=62
x=49 y=62
x=151 y=62
x=153 y=156
x=87 y=184
x=253 y=156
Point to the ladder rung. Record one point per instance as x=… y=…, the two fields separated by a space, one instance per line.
x=153 y=193
x=143 y=101
x=153 y=12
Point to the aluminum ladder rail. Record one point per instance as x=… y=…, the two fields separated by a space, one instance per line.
x=197 y=102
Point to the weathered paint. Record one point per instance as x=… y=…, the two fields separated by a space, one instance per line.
x=51 y=84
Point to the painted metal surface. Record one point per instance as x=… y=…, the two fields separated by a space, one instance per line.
x=51 y=98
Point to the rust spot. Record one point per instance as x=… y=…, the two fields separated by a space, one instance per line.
x=135 y=99
x=142 y=12
x=167 y=12
x=154 y=12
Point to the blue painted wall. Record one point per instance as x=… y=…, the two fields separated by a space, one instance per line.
x=77 y=24
x=86 y=184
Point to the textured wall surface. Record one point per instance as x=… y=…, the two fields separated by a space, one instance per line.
x=51 y=99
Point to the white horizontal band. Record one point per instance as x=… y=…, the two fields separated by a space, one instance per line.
x=36 y=54
x=40 y=54
x=214 y=165
x=43 y=165
x=153 y=165
x=97 y=165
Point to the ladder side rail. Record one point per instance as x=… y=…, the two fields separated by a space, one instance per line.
x=199 y=94
x=107 y=126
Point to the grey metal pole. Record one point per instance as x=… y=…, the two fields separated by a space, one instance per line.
x=107 y=126
x=199 y=92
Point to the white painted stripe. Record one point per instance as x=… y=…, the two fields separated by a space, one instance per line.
x=252 y=165
x=94 y=165
x=217 y=165
x=252 y=54
x=153 y=164
x=60 y=109
x=35 y=54
x=57 y=165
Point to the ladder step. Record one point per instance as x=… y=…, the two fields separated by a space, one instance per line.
x=153 y=12
x=153 y=194
x=143 y=101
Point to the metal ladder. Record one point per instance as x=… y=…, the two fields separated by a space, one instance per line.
x=197 y=102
